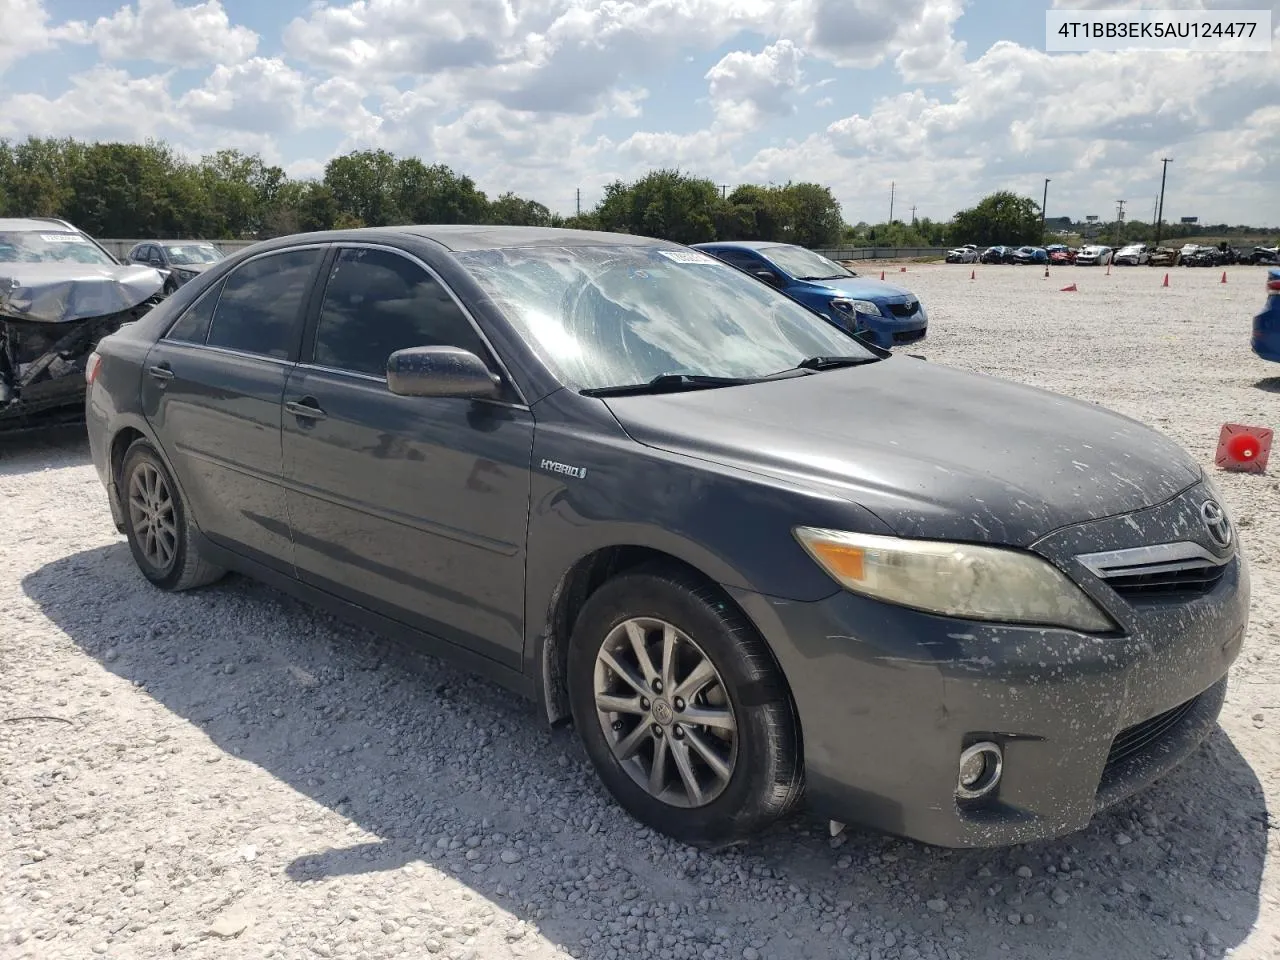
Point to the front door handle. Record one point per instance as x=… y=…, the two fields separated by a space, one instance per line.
x=307 y=407
x=161 y=371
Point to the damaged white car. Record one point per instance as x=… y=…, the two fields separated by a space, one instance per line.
x=60 y=293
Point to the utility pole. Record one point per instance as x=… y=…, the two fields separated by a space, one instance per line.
x=913 y=214
x=1042 y=208
x=579 y=201
x=1164 y=171
x=892 y=184
x=1119 y=221
x=724 y=191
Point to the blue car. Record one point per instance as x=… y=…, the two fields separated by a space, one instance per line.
x=1266 y=325
x=880 y=312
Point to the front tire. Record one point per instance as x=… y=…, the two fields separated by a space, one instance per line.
x=162 y=536
x=682 y=709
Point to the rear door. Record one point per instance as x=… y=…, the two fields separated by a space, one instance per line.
x=212 y=390
x=416 y=507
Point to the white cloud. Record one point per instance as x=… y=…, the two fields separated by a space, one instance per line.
x=164 y=32
x=746 y=87
x=102 y=103
x=262 y=95
x=25 y=30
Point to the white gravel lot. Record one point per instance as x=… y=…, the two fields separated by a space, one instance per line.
x=230 y=774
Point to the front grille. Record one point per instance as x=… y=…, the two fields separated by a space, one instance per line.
x=1190 y=581
x=907 y=336
x=1137 y=738
x=904 y=309
x=1163 y=571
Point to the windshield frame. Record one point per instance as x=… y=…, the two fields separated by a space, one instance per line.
x=574 y=289
x=770 y=254
x=82 y=239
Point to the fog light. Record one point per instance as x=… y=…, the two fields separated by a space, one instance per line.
x=980 y=769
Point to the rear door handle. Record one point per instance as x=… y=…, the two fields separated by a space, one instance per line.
x=161 y=371
x=307 y=407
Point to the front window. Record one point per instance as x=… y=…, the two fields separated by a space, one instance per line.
x=805 y=264
x=603 y=316
x=52 y=246
x=186 y=254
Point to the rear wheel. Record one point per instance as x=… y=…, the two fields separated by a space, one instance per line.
x=681 y=708
x=161 y=535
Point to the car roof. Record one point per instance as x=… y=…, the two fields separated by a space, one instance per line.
x=741 y=245
x=34 y=224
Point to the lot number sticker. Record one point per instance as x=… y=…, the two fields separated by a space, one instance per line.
x=62 y=238
x=687 y=256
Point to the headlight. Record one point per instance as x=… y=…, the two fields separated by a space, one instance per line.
x=954 y=579
x=187 y=274
x=855 y=306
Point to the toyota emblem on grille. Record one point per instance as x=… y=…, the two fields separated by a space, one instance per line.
x=1216 y=522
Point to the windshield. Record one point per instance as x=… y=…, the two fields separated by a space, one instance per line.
x=189 y=253
x=603 y=316
x=52 y=247
x=805 y=264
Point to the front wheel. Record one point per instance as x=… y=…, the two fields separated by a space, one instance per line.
x=161 y=534
x=681 y=708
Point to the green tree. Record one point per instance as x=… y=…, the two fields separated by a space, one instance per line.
x=665 y=204
x=1001 y=217
x=363 y=184
x=517 y=211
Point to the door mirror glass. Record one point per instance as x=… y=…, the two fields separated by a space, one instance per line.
x=440 y=372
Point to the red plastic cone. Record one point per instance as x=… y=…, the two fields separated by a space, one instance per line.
x=881 y=274
x=902 y=269
x=1046 y=269
x=1243 y=449
x=1166 y=281
x=1224 y=276
x=1069 y=288
x=973 y=275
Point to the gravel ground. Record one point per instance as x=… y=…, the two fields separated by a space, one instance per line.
x=229 y=773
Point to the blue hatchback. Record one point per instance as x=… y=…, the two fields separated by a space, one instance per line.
x=1266 y=325
x=886 y=314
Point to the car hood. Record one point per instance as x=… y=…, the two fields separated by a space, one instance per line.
x=933 y=451
x=62 y=292
x=856 y=288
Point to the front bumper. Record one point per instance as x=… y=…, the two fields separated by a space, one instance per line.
x=888 y=698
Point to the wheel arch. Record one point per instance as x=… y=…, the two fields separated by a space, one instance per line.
x=571 y=593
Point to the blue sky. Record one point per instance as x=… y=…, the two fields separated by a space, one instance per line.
x=949 y=98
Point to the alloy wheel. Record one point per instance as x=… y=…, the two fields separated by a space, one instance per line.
x=665 y=712
x=152 y=516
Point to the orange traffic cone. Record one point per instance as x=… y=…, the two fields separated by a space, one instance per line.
x=1046 y=269
x=973 y=274
x=1224 y=277
x=881 y=274
x=1069 y=288
x=1166 y=281
x=902 y=269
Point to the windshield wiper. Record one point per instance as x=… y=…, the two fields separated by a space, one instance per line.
x=668 y=383
x=830 y=276
x=832 y=363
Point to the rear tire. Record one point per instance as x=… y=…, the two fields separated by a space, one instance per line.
x=707 y=703
x=162 y=536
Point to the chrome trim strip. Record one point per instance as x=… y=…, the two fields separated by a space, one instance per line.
x=1158 y=558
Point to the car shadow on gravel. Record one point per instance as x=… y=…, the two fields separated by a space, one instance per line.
x=1269 y=384
x=446 y=769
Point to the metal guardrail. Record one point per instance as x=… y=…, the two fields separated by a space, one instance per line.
x=118 y=248
x=881 y=253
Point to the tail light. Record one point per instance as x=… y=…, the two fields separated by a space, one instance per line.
x=1274 y=285
x=91 y=367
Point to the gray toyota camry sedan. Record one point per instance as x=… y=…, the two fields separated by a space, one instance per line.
x=754 y=559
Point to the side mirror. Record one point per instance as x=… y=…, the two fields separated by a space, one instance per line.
x=440 y=372
x=769 y=277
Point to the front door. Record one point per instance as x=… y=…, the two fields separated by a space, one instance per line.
x=212 y=390
x=416 y=507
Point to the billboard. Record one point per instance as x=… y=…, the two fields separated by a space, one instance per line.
x=1190 y=219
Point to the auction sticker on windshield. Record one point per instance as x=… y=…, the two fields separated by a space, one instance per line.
x=687 y=256
x=62 y=238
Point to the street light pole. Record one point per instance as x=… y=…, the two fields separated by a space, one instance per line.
x=1042 y=206
x=1164 y=172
